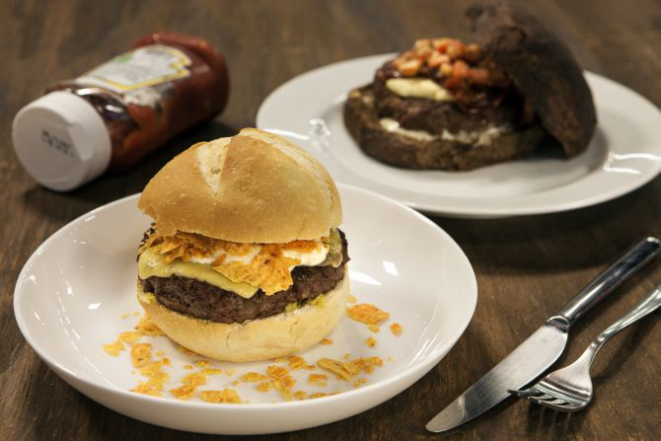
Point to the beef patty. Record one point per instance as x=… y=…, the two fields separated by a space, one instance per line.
x=208 y=302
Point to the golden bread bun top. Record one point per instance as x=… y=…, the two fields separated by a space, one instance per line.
x=255 y=187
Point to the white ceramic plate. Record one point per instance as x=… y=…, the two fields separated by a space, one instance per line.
x=77 y=292
x=624 y=154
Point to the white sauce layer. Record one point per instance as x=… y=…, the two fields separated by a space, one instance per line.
x=418 y=88
x=478 y=138
x=311 y=258
x=392 y=125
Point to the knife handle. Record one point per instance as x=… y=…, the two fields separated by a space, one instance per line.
x=610 y=279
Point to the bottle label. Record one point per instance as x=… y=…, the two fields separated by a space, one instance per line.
x=140 y=68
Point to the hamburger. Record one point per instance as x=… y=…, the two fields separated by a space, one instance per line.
x=244 y=260
x=445 y=104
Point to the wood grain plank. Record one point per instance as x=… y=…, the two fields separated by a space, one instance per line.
x=526 y=267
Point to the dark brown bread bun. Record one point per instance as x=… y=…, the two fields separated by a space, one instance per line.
x=541 y=67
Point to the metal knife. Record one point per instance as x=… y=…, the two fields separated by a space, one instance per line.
x=535 y=355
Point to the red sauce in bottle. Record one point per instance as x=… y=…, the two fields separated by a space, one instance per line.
x=141 y=117
x=113 y=115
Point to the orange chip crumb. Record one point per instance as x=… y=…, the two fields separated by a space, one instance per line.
x=373 y=328
x=114 y=348
x=126 y=315
x=211 y=371
x=367 y=313
x=130 y=336
x=317 y=395
x=221 y=396
x=300 y=395
x=326 y=341
x=166 y=361
x=235 y=383
x=352 y=299
x=284 y=390
x=265 y=386
x=194 y=379
x=183 y=392
x=140 y=354
x=147 y=389
x=296 y=362
x=160 y=353
x=253 y=377
x=318 y=380
x=346 y=356
x=343 y=371
x=367 y=364
x=157 y=378
x=396 y=329
x=188 y=367
x=371 y=342
x=147 y=327
x=201 y=363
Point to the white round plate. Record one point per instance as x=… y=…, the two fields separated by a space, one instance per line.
x=624 y=154
x=77 y=292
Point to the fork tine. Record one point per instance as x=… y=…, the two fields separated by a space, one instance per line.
x=524 y=393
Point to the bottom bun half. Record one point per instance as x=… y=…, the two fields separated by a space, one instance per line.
x=253 y=340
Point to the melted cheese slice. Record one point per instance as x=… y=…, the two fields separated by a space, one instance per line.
x=151 y=264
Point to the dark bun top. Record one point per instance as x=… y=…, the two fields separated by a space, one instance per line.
x=541 y=67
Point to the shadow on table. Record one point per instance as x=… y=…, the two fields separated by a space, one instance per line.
x=110 y=187
x=568 y=241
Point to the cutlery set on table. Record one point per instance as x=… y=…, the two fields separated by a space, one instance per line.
x=568 y=389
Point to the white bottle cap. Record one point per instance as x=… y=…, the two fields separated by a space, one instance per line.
x=61 y=140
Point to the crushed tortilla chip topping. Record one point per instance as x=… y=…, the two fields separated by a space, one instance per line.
x=211 y=371
x=371 y=342
x=141 y=354
x=317 y=395
x=221 y=396
x=269 y=269
x=396 y=329
x=367 y=364
x=147 y=327
x=188 y=367
x=191 y=382
x=367 y=313
x=253 y=377
x=114 y=348
x=326 y=341
x=346 y=371
x=296 y=362
x=352 y=299
x=194 y=379
x=130 y=337
x=183 y=392
x=281 y=381
x=157 y=378
x=201 y=363
x=265 y=386
x=300 y=394
x=373 y=328
x=318 y=380
x=343 y=371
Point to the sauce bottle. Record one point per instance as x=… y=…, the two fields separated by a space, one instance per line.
x=113 y=115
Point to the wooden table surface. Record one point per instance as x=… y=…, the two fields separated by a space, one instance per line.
x=526 y=267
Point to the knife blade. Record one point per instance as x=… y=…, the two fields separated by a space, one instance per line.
x=539 y=351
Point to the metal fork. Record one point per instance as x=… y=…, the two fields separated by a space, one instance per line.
x=570 y=389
